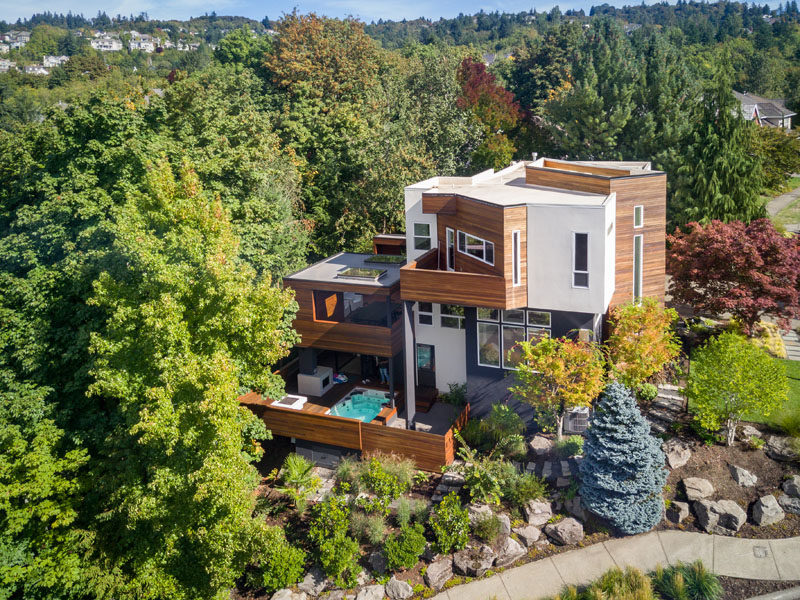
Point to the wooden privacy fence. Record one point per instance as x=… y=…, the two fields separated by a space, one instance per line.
x=429 y=451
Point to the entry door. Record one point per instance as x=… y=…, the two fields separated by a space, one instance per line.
x=426 y=365
x=451 y=249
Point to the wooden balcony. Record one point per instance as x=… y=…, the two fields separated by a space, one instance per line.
x=423 y=281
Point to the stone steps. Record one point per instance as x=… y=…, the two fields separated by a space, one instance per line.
x=666 y=408
x=791 y=340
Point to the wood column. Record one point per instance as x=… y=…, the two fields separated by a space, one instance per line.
x=410 y=363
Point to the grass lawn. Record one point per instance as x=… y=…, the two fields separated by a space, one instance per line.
x=790 y=214
x=792 y=406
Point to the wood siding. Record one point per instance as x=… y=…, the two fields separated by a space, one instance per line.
x=592 y=169
x=568 y=180
x=649 y=191
x=345 y=337
x=439 y=204
x=428 y=451
x=480 y=219
x=516 y=219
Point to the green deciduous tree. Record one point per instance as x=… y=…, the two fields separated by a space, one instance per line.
x=555 y=375
x=731 y=379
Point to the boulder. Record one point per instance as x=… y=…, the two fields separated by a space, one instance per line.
x=540 y=445
x=538 y=513
x=378 y=563
x=677 y=452
x=574 y=507
x=749 y=431
x=505 y=524
x=723 y=517
x=509 y=552
x=313 y=583
x=371 y=592
x=439 y=572
x=478 y=512
x=339 y=595
x=398 y=590
x=697 y=488
x=678 y=511
x=767 y=511
x=363 y=577
x=780 y=448
x=452 y=479
x=474 y=561
x=789 y=504
x=792 y=486
x=565 y=532
x=742 y=476
x=287 y=594
x=528 y=534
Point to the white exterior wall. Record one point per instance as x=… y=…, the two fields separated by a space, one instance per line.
x=450 y=351
x=413 y=206
x=550 y=229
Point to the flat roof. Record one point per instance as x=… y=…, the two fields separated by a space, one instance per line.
x=328 y=269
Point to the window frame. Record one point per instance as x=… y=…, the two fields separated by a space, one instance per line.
x=459 y=319
x=425 y=313
x=462 y=248
x=638 y=279
x=640 y=209
x=576 y=271
x=496 y=326
x=417 y=236
x=529 y=323
x=504 y=354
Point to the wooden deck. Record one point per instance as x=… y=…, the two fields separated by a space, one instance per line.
x=429 y=451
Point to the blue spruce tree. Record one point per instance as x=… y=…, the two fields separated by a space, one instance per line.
x=622 y=473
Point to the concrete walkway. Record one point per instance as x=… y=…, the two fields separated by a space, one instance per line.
x=776 y=560
x=778 y=203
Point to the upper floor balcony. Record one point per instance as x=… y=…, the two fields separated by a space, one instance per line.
x=428 y=280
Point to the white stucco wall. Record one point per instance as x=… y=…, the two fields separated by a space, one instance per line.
x=414 y=214
x=550 y=229
x=450 y=350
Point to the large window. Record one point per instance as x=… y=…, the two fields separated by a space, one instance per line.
x=350 y=307
x=580 y=260
x=638 y=243
x=476 y=247
x=452 y=316
x=498 y=338
x=539 y=324
x=422 y=236
x=425 y=313
x=512 y=355
x=515 y=259
x=488 y=344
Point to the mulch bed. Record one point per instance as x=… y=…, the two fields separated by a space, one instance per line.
x=742 y=589
x=712 y=463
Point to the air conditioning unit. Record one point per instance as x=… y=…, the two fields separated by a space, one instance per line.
x=577 y=420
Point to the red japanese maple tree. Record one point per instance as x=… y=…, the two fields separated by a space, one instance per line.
x=745 y=270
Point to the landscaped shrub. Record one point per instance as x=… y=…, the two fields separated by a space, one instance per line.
x=570 y=446
x=330 y=518
x=348 y=471
x=484 y=476
x=385 y=485
x=402 y=468
x=338 y=557
x=367 y=528
x=524 y=487
x=411 y=509
x=622 y=472
x=298 y=480
x=687 y=582
x=457 y=396
x=646 y=392
x=616 y=584
x=487 y=528
x=474 y=434
x=279 y=564
x=402 y=550
x=731 y=379
x=450 y=525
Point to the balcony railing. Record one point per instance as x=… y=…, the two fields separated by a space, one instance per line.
x=424 y=281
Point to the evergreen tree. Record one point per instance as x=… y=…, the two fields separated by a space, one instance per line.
x=622 y=473
x=718 y=178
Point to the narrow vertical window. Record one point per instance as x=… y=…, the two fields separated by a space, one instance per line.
x=580 y=260
x=638 y=243
x=638 y=216
x=425 y=313
x=515 y=257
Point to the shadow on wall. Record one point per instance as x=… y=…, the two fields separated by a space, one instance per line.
x=484 y=393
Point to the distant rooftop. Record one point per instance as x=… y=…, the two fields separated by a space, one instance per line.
x=768 y=108
x=333 y=270
x=508 y=187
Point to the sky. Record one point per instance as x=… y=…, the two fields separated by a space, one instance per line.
x=366 y=10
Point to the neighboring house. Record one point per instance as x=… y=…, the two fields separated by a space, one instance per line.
x=54 y=61
x=765 y=111
x=4 y=48
x=36 y=70
x=543 y=247
x=6 y=64
x=106 y=44
x=143 y=45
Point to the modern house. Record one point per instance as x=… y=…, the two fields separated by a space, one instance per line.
x=765 y=111
x=543 y=247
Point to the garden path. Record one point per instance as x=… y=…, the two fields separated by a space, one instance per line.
x=775 y=560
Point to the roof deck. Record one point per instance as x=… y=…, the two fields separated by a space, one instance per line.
x=341 y=269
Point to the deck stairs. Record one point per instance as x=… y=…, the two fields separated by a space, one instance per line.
x=791 y=340
x=667 y=408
